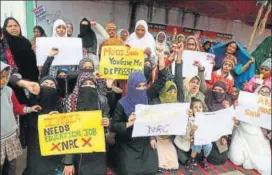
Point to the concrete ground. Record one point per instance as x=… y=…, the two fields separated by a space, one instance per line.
x=21 y=164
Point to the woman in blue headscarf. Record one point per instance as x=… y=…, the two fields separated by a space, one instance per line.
x=245 y=68
x=134 y=155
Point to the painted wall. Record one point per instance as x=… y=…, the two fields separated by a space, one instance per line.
x=103 y=12
x=14 y=9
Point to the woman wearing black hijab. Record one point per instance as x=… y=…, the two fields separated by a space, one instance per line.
x=23 y=60
x=88 y=36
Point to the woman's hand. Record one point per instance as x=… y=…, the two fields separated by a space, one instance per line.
x=69 y=170
x=131 y=120
x=53 y=112
x=147 y=51
x=199 y=65
x=251 y=60
x=105 y=121
x=109 y=82
x=153 y=144
x=93 y=23
x=53 y=52
x=32 y=87
x=190 y=113
x=193 y=129
x=35 y=108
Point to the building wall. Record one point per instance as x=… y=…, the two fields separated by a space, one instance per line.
x=103 y=12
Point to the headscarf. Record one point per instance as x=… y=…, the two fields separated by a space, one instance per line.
x=147 y=41
x=5 y=67
x=111 y=26
x=83 y=61
x=57 y=23
x=48 y=98
x=120 y=32
x=88 y=36
x=134 y=96
x=242 y=56
x=73 y=98
x=161 y=46
x=195 y=40
x=203 y=46
x=187 y=82
x=260 y=87
x=41 y=30
x=180 y=35
x=168 y=98
x=214 y=100
x=267 y=63
x=23 y=56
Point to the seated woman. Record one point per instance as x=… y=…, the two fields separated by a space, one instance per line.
x=167 y=153
x=134 y=155
x=250 y=147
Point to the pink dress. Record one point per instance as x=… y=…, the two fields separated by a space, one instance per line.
x=249 y=86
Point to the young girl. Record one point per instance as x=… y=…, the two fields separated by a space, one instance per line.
x=197 y=106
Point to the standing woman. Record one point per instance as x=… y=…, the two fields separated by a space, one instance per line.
x=142 y=39
x=22 y=60
x=59 y=30
x=123 y=34
x=161 y=40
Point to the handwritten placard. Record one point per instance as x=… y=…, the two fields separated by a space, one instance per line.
x=118 y=62
x=70 y=50
x=70 y=133
x=213 y=125
x=204 y=58
x=162 y=119
x=40 y=13
x=254 y=109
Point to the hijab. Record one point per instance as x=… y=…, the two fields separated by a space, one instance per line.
x=168 y=98
x=214 y=100
x=73 y=100
x=62 y=82
x=147 y=41
x=161 y=46
x=57 y=23
x=23 y=56
x=48 y=98
x=41 y=30
x=187 y=85
x=134 y=96
x=88 y=36
x=119 y=33
x=260 y=87
x=195 y=40
x=83 y=61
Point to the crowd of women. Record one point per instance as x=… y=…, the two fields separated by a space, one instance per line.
x=58 y=89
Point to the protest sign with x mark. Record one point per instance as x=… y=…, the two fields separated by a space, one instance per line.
x=87 y=142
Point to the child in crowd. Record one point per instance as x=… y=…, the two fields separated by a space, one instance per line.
x=10 y=144
x=263 y=79
x=224 y=74
x=197 y=106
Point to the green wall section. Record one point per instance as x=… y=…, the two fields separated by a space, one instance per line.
x=30 y=18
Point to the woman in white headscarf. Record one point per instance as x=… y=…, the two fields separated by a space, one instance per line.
x=142 y=39
x=59 y=30
x=249 y=146
x=123 y=34
x=161 y=40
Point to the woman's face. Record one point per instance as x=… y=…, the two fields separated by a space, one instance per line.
x=141 y=86
x=191 y=45
x=62 y=75
x=197 y=107
x=37 y=33
x=61 y=30
x=231 y=49
x=48 y=83
x=218 y=89
x=88 y=83
x=264 y=91
x=161 y=37
x=265 y=71
x=124 y=35
x=180 y=39
x=194 y=85
x=234 y=92
x=140 y=31
x=112 y=32
x=172 y=92
x=88 y=65
x=13 y=28
x=70 y=29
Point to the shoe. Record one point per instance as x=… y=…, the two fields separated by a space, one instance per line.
x=205 y=164
x=191 y=164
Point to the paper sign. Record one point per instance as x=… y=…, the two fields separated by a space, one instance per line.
x=118 y=62
x=162 y=119
x=204 y=58
x=254 y=109
x=211 y=126
x=40 y=13
x=70 y=50
x=71 y=133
